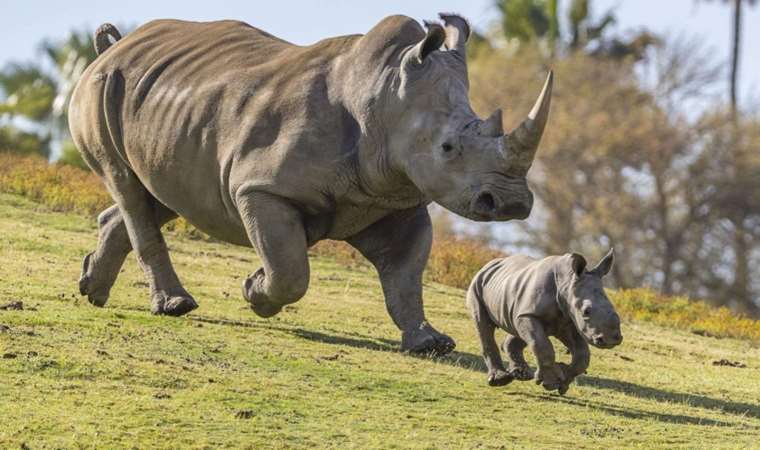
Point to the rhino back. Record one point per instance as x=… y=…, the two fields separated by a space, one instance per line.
x=517 y=286
x=206 y=107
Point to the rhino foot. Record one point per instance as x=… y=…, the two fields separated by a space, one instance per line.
x=427 y=341
x=499 y=378
x=96 y=286
x=521 y=372
x=172 y=305
x=567 y=379
x=260 y=303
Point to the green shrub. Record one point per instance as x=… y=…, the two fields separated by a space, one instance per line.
x=70 y=156
x=698 y=317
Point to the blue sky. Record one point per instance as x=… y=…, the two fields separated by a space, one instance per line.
x=26 y=22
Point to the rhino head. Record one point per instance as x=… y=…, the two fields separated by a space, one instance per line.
x=587 y=304
x=467 y=165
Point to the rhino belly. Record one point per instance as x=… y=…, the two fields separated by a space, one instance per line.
x=190 y=181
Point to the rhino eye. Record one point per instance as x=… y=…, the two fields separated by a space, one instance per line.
x=586 y=311
x=447 y=147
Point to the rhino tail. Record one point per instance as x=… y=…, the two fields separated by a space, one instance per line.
x=103 y=35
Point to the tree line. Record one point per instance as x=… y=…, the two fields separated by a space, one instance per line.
x=642 y=152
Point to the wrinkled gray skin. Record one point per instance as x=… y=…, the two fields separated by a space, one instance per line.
x=262 y=143
x=534 y=299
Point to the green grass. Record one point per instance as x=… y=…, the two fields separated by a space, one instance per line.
x=324 y=373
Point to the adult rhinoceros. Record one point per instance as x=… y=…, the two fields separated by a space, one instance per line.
x=263 y=143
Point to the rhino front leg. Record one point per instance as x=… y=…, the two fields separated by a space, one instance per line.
x=580 y=354
x=398 y=246
x=549 y=375
x=101 y=267
x=276 y=231
x=514 y=347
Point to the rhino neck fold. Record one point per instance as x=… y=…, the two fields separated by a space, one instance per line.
x=380 y=176
x=380 y=173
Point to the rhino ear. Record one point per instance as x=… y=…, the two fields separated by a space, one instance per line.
x=604 y=266
x=577 y=264
x=433 y=41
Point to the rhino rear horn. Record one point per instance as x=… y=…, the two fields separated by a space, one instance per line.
x=523 y=141
x=492 y=127
x=457 y=32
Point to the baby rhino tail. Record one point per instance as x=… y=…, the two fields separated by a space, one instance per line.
x=102 y=41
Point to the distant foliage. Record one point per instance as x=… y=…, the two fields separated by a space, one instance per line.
x=25 y=143
x=700 y=318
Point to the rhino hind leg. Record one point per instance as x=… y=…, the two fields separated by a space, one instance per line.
x=101 y=267
x=516 y=365
x=141 y=216
x=276 y=231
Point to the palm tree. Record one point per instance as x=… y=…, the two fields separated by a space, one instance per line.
x=28 y=97
x=37 y=96
x=531 y=21
x=69 y=58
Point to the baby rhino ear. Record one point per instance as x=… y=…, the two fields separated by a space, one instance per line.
x=578 y=264
x=604 y=266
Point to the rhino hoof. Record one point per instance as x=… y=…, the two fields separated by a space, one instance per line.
x=499 y=378
x=425 y=340
x=522 y=372
x=259 y=301
x=175 y=306
x=97 y=297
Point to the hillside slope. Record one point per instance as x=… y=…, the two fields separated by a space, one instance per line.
x=323 y=373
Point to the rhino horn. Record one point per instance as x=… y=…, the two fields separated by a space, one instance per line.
x=523 y=141
x=492 y=127
x=457 y=32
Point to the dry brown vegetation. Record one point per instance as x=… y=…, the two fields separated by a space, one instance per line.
x=453 y=260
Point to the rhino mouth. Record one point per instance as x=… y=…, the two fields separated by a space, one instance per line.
x=485 y=206
x=606 y=342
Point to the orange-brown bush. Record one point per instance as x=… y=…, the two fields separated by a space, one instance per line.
x=455 y=261
x=452 y=261
x=59 y=187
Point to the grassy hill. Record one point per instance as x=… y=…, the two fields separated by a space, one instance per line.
x=324 y=373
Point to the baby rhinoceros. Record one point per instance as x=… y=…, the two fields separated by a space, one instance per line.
x=533 y=299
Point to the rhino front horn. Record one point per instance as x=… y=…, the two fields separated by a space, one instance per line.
x=523 y=141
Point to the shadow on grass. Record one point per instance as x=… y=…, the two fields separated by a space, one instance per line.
x=661 y=395
x=633 y=413
x=474 y=362
x=378 y=345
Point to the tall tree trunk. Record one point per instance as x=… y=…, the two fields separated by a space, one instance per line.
x=737 y=29
x=740 y=290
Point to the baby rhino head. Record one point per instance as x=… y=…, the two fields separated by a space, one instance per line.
x=590 y=309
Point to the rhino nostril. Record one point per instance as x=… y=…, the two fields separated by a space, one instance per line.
x=485 y=203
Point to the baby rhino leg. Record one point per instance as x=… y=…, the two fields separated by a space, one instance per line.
x=517 y=367
x=497 y=375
